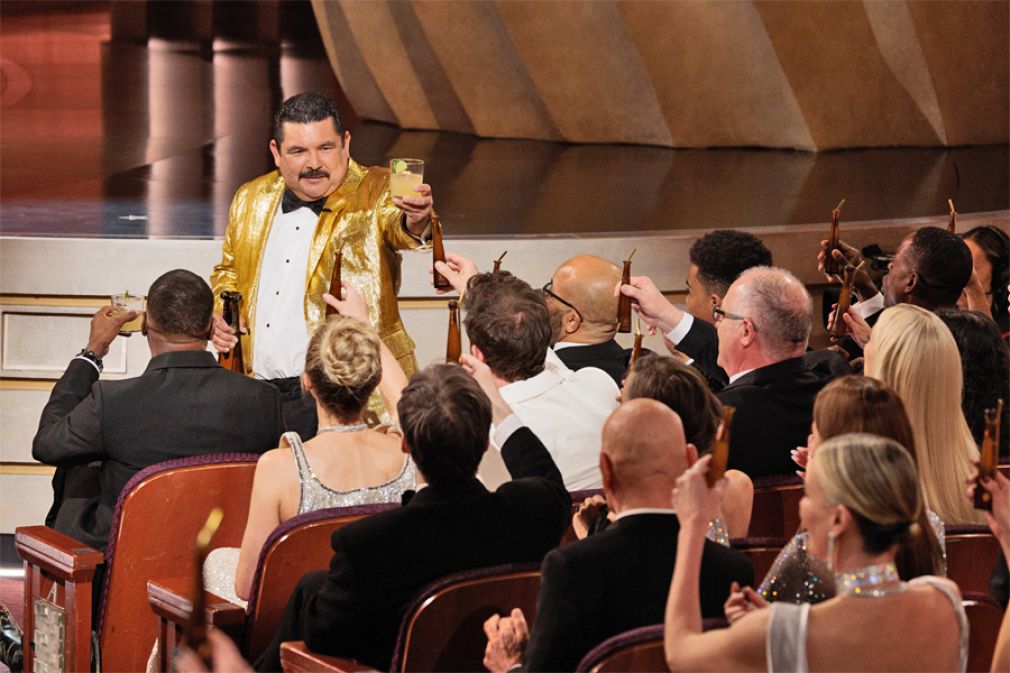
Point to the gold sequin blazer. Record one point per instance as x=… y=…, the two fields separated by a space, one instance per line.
x=362 y=221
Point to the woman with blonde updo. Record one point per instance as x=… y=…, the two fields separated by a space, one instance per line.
x=913 y=352
x=861 y=502
x=345 y=464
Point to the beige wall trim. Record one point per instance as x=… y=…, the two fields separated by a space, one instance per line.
x=27 y=384
x=34 y=469
x=52 y=300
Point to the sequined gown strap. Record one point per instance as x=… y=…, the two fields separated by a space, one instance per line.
x=962 y=618
x=786 y=642
x=305 y=477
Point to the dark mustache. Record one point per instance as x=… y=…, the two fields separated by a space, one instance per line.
x=314 y=173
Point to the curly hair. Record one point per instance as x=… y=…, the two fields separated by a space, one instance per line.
x=509 y=322
x=722 y=255
x=985 y=362
x=344 y=364
x=181 y=303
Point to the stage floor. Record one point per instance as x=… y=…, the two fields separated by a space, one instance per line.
x=103 y=138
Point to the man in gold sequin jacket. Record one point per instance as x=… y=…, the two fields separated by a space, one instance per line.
x=356 y=215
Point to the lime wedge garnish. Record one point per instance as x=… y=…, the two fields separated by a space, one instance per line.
x=399 y=166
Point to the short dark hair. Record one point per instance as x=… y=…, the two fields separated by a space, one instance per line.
x=943 y=264
x=681 y=388
x=995 y=243
x=985 y=363
x=722 y=255
x=305 y=108
x=181 y=303
x=509 y=322
x=445 y=418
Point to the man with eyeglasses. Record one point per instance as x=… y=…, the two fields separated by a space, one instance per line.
x=763 y=325
x=583 y=309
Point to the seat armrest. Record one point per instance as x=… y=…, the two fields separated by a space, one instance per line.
x=170 y=600
x=57 y=554
x=296 y=658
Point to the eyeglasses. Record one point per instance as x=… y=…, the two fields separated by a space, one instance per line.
x=547 y=290
x=718 y=314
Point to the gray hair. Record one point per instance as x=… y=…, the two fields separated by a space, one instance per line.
x=779 y=306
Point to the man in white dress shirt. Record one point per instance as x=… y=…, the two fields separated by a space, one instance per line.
x=509 y=328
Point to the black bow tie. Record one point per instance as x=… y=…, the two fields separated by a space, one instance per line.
x=291 y=202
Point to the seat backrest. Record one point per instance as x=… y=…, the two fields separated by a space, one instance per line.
x=442 y=627
x=762 y=552
x=298 y=546
x=776 y=507
x=154 y=527
x=984 y=618
x=971 y=555
x=639 y=649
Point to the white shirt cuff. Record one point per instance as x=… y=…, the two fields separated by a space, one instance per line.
x=683 y=327
x=89 y=361
x=868 y=307
x=505 y=429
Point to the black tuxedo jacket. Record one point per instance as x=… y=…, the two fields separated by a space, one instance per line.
x=184 y=404
x=618 y=580
x=380 y=563
x=702 y=344
x=774 y=408
x=608 y=356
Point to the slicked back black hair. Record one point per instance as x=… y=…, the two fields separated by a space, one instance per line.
x=305 y=108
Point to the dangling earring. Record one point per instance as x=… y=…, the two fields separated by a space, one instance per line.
x=831 y=550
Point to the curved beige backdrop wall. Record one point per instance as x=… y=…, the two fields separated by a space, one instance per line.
x=810 y=75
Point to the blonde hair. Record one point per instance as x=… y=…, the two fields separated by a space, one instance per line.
x=343 y=361
x=916 y=355
x=875 y=479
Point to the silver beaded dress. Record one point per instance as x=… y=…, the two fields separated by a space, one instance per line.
x=221 y=564
x=796 y=576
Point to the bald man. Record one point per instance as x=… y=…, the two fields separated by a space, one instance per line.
x=763 y=326
x=618 y=579
x=580 y=297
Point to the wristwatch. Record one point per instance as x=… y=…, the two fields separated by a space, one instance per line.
x=93 y=356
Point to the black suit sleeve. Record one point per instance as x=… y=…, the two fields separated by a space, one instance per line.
x=559 y=637
x=702 y=344
x=333 y=615
x=526 y=456
x=70 y=430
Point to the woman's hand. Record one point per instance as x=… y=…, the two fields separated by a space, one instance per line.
x=587 y=514
x=999 y=518
x=695 y=502
x=742 y=601
x=352 y=305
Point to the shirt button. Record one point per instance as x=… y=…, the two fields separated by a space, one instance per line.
x=298 y=228
x=287 y=261
x=268 y=324
x=277 y=292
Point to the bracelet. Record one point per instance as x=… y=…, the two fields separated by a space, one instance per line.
x=93 y=357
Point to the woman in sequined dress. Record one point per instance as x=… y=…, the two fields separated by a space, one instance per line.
x=848 y=404
x=345 y=464
x=861 y=498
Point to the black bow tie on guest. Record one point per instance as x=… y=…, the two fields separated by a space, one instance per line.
x=291 y=202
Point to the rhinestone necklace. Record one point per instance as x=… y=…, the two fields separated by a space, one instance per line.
x=870 y=581
x=357 y=427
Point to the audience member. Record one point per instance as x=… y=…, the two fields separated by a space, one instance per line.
x=848 y=404
x=616 y=580
x=184 y=404
x=583 y=309
x=930 y=269
x=998 y=521
x=862 y=499
x=684 y=390
x=990 y=254
x=508 y=325
x=716 y=260
x=985 y=363
x=453 y=524
x=345 y=464
x=763 y=325
x=913 y=352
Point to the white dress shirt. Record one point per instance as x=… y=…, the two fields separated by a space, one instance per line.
x=566 y=410
x=281 y=335
x=864 y=309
